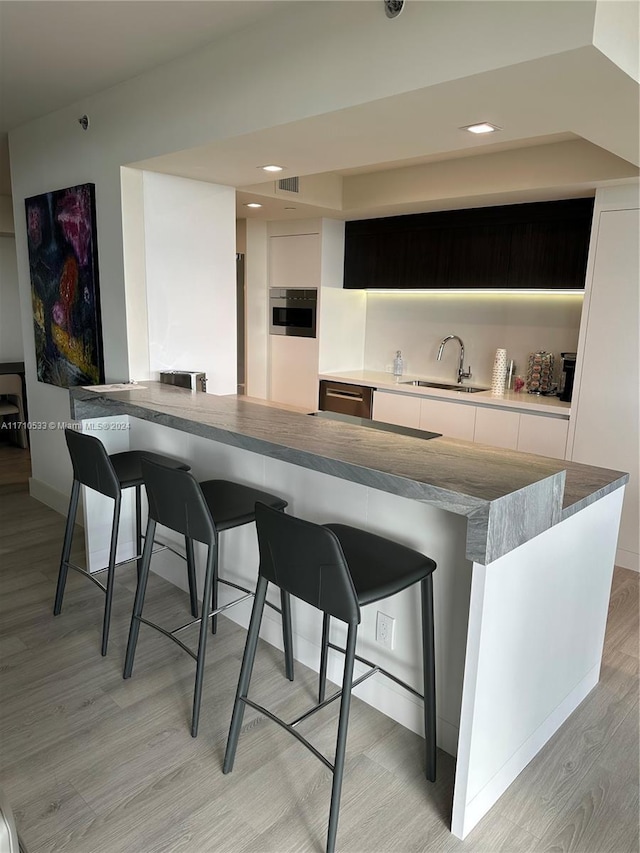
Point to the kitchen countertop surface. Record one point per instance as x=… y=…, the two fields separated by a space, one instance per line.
x=509 y=400
x=508 y=497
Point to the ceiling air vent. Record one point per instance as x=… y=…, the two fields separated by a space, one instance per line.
x=289 y=185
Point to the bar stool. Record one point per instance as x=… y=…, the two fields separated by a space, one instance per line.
x=12 y=403
x=109 y=474
x=336 y=569
x=200 y=511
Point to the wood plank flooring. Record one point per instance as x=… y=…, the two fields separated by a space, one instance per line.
x=96 y=764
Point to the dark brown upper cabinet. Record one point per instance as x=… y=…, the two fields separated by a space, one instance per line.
x=537 y=245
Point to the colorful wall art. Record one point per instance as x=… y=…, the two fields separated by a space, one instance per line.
x=63 y=262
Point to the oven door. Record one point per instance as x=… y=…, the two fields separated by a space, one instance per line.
x=292 y=312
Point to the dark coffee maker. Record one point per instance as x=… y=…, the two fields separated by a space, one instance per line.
x=567 y=373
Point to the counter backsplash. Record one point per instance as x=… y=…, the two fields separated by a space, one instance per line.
x=416 y=324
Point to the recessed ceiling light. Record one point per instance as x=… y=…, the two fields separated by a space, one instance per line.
x=271 y=168
x=253 y=204
x=482 y=127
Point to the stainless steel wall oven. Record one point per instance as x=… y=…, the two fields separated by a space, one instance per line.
x=293 y=312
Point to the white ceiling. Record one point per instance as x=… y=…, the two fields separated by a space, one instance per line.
x=54 y=52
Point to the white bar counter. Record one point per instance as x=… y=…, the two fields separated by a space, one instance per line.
x=525 y=549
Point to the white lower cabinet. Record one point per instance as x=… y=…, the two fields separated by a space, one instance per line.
x=543 y=436
x=399 y=409
x=453 y=420
x=497 y=428
x=539 y=434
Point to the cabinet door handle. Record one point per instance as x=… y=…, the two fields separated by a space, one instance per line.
x=345 y=395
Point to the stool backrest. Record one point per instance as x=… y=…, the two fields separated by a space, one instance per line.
x=307 y=561
x=176 y=501
x=11 y=383
x=91 y=464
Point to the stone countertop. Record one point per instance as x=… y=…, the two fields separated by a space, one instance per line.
x=531 y=403
x=508 y=497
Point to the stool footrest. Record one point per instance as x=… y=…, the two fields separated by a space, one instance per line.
x=333 y=698
x=250 y=592
x=106 y=568
x=289 y=728
x=379 y=669
x=164 y=547
x=169 y=634
x=89 y=575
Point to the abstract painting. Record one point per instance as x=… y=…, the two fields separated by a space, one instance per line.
x=63 y=263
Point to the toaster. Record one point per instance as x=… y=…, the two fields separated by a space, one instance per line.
x=184 y=379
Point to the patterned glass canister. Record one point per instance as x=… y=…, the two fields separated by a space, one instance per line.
x=540 y=373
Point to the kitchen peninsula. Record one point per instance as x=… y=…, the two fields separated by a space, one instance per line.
x=525 y=547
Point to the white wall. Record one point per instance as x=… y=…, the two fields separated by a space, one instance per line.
x=605 y=426
x=256 y=309
x=342 y=312
x=6 y=216
x=416 y=323
x=615 y=33
x=11 y=347
x=191 y=278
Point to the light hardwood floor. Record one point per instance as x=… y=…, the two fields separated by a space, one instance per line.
x=95 y=764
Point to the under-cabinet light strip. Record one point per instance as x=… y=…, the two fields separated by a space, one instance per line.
x=495 y=291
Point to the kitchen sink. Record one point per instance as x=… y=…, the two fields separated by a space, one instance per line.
x=444 y=386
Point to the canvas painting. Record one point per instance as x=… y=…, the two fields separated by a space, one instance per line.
x=63 y=263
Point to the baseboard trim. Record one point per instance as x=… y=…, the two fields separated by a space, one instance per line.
x=628 y=560
x=47 y=495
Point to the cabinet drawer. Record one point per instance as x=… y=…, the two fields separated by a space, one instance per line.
x=453 y=420
x=497 y=428
x=544 y=436
x=399 y=409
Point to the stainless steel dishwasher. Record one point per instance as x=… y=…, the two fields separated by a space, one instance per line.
x=346 y=399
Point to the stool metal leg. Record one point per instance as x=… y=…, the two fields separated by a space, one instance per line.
x=139 y=528
x=111 y=575
x=191 y=573
x=324 y=656
x=341 y=743
x=214 y=589
x=245 y=673
x=138 y=603
x=287 y=633
x=429 y=668
x=210 y=574
x=66 y=547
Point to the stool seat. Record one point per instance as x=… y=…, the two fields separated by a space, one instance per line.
x=128 y=465
x=378 y=567
x=233 y=504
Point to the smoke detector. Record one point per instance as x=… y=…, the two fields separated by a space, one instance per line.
x=393 y=8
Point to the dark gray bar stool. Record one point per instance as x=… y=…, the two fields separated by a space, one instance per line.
x=109 y=474
x=200 y=511
x=336 y=569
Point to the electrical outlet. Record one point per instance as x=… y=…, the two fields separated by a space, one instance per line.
x=388 y=368
x=385 y=630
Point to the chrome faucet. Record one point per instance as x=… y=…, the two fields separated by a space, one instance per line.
x=461 y=371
